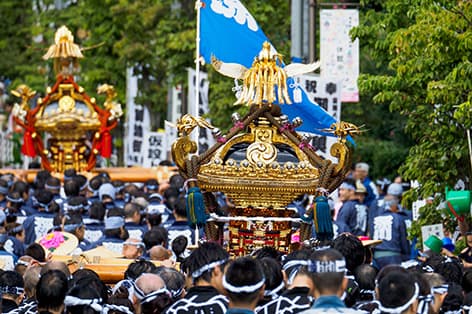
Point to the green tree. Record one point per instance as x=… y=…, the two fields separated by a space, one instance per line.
x=427 y=48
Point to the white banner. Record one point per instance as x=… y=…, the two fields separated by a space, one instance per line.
x=154 y=149
x=171 y=135
x=205 y=138
x=429 y=230
x=339 y=56
x=327 y=94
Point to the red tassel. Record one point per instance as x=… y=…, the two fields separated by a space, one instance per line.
x=28 y=145
x=105 y=146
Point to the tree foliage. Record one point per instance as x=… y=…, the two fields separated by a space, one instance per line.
x=427 y=48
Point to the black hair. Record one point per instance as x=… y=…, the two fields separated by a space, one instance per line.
x=179 y=244
x=97 y=211
x=53 y=182
x=81 y=180
x=4 y=184
x=40 y=179
x=268 y=251
x=180 y=207
x=391 y=284
x=467 y=299
x=95 y=183
x=156 y=306
x=244 y=271
x=176 y=181
x=365 y=275
x=83 y=290
x=467 y=281
x=454 y=298
x=272 y=273
x=71 y=188
x=152 y=182
x=130 y=209
x=351 y=248
x=14 y=207
x=451 y=269
x=303 y=254
x=170 y=196
x=205 y=254
x=36 y=251
x=138 y=268
x=327 y=282
x=69 y=173
x=155 y=236
x=44 y=197
x=154 y=219
x=20 y=187
x=174 y=280
x=11 y=278
x=51 y=290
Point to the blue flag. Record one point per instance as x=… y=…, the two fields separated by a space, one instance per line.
x=230 y=33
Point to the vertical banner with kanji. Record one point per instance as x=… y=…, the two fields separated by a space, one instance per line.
x=138 y=125
x=205 y=138
x=327 y=94
x=339 y=55
x=154 y=149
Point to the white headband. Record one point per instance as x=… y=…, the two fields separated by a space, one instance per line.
x=274 y=291
x=337 y=266
x=153 y=295
x=207 y=267
x=347 y=186
x=113 y=307
x=440 y=289
x=403 y=307
x=114 y=222
x=424 y=303
x=244 y=289
x=74 y=301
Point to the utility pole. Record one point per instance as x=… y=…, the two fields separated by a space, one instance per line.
x=312 y=32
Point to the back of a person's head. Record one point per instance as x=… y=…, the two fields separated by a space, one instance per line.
x=467 y=281
x=454 y=299
x=31 y=278
x=451 y=269
x=327 y=269
x=268 y=251
x=155 y=236
x=36 y=251
x=11 y=283
x=83 y=298
x=199 y=260
x=244 y=280
x=20 y=187
x=97 y=211
x=95 y=182
x=176 y=181
x=56 y=265
x=180 y=207
x=71 y=188
x=89 y=278
x=179 y=245
x=138 y=268
x=51 y=290
x=130 y=209
x=174 y=280
x=293 y=263
x=152 y=294
x=53 y=184
x=365 y=275
x=274 y=279
x=397 y=292
x=351 y=248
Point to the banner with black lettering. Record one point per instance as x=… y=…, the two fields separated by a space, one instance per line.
x=154 y=149
x=327 y=94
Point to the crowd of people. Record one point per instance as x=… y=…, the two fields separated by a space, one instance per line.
x=148 y=222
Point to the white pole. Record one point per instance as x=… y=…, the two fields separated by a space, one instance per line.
x=198 y=5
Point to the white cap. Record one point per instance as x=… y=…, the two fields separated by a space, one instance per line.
x=106 y=189
x=362 y=166
x=395 y=189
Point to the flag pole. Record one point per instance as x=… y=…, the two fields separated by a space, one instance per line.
x=198 y=5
